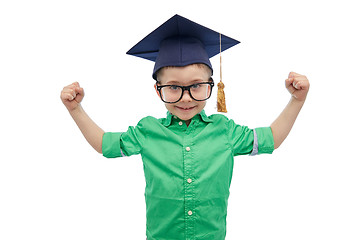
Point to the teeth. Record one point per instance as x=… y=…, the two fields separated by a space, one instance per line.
x=187 y=108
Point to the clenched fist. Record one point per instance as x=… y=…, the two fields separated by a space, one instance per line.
x=72 y=95
x=298 y=85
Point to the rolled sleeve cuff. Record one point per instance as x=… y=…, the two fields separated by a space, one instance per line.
x=111 y=145
x=263 y=141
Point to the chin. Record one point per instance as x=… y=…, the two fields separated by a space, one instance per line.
x=185 y=111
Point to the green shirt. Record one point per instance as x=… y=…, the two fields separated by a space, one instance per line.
x=187 y=170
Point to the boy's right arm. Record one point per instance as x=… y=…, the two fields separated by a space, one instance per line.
x=72 y=96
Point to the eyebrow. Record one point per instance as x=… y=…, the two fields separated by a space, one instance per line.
x=174 y=82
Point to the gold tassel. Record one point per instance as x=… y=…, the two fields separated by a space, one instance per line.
x=221 y=105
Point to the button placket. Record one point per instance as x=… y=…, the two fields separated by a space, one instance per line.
x=189 y=188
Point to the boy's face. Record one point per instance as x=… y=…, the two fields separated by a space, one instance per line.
x=187 y=107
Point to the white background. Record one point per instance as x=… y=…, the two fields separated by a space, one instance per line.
x=53 y=185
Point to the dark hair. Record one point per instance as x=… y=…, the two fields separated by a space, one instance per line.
x=200 y=65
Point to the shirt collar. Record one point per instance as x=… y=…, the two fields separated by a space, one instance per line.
x=202 y=115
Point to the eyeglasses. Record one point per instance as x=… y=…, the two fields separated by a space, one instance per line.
x=198 y=91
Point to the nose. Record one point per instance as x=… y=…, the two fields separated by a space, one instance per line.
x=186 y=96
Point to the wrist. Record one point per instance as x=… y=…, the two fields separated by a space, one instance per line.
x=76 y=111
x=297 y=101
x=295 y=105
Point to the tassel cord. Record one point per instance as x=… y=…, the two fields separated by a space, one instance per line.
x=221 y=105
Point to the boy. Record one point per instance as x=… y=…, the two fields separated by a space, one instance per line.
x=187 y=156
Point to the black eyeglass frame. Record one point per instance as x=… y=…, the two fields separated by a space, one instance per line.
x=183 y=88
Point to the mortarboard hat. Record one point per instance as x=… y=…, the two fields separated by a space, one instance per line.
x=181 y=42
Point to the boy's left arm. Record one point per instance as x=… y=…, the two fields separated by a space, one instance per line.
x=298 y=86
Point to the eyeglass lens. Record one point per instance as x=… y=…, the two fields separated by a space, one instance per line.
x=198 y=92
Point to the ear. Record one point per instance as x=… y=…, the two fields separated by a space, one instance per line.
x=157 y=92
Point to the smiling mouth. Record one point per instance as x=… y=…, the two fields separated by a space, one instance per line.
x=185 y=108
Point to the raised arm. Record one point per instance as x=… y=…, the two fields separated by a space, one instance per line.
x=72 y=96
x=298 y=86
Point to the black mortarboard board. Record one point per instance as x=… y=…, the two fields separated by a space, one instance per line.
x=180 y=42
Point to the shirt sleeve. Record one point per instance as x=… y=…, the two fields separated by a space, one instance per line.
x=264 y=140
x=121 y=144
x=250 y=141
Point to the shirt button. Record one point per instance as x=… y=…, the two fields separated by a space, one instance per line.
x=180 y=123
x=189 y=180
x=187 y=149
x=190 y=213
